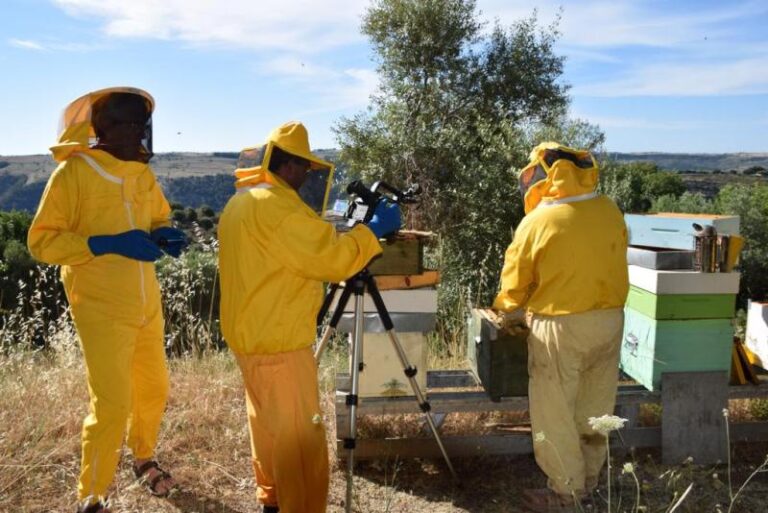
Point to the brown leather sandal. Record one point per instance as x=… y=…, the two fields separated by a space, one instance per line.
x=151 y=484
x=96 y=507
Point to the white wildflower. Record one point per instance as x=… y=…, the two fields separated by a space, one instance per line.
x=714 y=476
x=628 y=468
x=316 y=418
x=725 y=412
x=539 y=437
x=607 y=423
x=688 y=460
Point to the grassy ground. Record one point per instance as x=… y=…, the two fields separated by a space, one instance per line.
x=204 y=442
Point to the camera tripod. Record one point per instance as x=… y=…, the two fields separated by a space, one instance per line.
x=358 y=285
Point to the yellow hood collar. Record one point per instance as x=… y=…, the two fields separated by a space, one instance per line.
x=570 y=172
x=250 y=176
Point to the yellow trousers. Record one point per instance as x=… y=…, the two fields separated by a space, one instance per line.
x=128 y=386
x=573 y=367
x=290 y=455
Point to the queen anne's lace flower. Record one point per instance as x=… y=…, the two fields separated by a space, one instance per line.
x=628 y=468
x=606 y=423
x=539 y=437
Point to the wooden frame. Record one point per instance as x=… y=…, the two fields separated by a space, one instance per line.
x=692 y=420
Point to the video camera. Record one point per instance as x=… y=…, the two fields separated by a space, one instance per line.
x=365 y=200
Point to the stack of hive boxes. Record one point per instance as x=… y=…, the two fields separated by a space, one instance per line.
x=410 y=295
x=676 y=319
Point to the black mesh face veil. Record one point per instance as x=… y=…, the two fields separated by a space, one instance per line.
x=315 y=189
x=252 y=157
x=582 y=160
x=532 y=174
x=124 y=111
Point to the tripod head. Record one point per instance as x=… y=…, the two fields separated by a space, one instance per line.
x=365 y=200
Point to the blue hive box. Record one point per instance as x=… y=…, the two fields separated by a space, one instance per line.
x=674 y=231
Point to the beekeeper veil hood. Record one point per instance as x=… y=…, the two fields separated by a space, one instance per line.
x=127 y=107
x=291 y=138
x=556 y=172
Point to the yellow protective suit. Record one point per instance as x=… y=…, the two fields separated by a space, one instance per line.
x=115 y=301
x=569 y=253
x=274 y=254
x=567 y=266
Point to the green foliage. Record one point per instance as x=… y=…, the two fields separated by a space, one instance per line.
x=452 y=113
x=13 y=226
x=635 y=185
x=659 y=183
x=190 y=214
x=191 y=299
x=758 y=408
x=750 y=203
x=198 y=191
x=692 y=203
x=574 y=133
x=16 y=255
x=15 y=260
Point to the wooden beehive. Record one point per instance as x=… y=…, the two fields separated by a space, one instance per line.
x=499 y=359
x=403 y=255
x=651 y=347
x=681 y=306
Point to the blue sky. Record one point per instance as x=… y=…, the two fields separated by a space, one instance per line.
x=682 y=76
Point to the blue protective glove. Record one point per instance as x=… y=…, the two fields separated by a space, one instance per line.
x=135 y=244
x=386 y=219
x=171 y=240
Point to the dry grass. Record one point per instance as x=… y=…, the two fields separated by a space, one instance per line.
x=204 y=441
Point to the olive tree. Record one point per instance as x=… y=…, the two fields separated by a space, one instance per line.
x=456 y=109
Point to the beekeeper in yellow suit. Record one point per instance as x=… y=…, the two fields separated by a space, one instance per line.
x=567 y=268
x=275 y=253
x=104 y=219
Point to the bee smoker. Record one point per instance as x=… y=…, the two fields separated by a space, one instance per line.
x=705 y=258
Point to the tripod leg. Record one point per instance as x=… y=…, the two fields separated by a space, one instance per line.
x=409 y=370
x=338 y=312
x=327 y=332
x=357 y=348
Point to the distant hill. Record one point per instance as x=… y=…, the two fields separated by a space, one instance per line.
x=698 y=162
x=197 y=179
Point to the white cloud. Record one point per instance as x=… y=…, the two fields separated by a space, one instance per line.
x=51 y=46
x=616 y=23
x=26 y=44
x=304 y=26
x=696 y=51
x=654 y=48
x=287 y=37
x=335 y=89
x=738 y=77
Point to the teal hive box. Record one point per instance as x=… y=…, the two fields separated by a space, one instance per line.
x=674 y=231
x=651 y=347
x=681 y=306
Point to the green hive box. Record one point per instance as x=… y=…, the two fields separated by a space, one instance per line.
x=498 y=358
x=681 y=306
x=650 y=347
